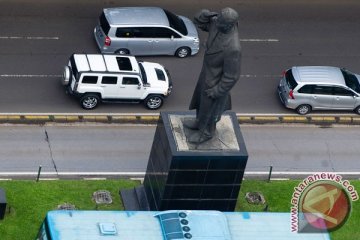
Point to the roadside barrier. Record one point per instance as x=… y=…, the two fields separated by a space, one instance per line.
x=153 y=118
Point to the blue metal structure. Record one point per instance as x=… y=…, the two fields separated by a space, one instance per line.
x=169 y=225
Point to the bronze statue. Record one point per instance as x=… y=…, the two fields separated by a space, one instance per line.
x=220 y=72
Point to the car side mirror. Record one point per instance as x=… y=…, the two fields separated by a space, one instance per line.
x=139 y=85
x=172 y=37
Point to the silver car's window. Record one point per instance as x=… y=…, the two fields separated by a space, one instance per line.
x=307 y=89
x=135 y=32
x=290 y=80
x=351 y=80
x=104 y=23
x=322 y=90
x=145 y=32
x=124 y=33
x=176 y=22
x=162 y=32
x=339 y=91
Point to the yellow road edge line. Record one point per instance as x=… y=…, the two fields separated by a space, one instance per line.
x=127 y=118
x=72 y=118
x=267 y=118
x=37 y=117
x=149 y=118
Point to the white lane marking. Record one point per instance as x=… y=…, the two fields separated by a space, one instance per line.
x=28 y=38
x=55 y=75
x=29 y=75
x=259 y=40
x=255 y=76
x=58 y=38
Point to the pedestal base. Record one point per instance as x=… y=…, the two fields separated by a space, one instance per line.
x=188 y=176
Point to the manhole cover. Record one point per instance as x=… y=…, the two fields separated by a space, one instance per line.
x=255 y=198
x=102 y=197
x=66 y=206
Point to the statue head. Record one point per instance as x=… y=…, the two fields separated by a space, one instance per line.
x=227 y=19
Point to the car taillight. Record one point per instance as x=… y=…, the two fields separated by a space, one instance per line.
x=291 y=94
x=283 y=73
x=107 y=41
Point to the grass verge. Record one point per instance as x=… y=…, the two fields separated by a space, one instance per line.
x=29 y=201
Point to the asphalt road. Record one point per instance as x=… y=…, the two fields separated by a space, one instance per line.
x=123 y=150
x=38 y=36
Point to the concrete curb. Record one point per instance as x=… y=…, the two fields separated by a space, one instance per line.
x=153 y=118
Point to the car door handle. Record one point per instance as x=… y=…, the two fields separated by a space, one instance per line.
x=103 y=86
x=122 y=87
x=150 y=41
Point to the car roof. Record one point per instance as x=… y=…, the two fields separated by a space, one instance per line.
x=105 y=63
x=318 y=74
x=136 y=16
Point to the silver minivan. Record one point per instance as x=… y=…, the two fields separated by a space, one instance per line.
x=309 y=88
x=145 y=31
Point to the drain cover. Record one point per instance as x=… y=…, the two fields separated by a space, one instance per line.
x=102 y=197
x=255 y=198
x=66 y=206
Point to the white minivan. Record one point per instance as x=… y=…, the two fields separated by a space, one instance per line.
x=145 y=31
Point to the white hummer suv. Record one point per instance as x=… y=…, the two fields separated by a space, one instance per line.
x=95 y=78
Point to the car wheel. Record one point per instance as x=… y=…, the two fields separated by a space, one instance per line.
x=122 y=51
x=182 y=52
x=303 y=109
x=89 y=101
x=154 y=102
x=67 y=75
x=357 y=110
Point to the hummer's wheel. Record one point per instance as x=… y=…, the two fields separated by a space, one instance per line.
x=89 y=101
x=154 y=102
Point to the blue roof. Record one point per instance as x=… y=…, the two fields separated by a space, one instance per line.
x=171 y=225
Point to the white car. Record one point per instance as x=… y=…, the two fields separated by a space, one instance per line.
x=95 y=78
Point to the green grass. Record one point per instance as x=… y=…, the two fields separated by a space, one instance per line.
x=29 y=201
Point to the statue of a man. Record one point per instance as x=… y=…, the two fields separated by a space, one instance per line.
x=220 y=71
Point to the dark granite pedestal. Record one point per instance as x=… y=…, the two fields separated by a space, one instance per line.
x=187 y=176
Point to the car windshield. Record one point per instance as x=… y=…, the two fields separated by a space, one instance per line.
x=143 y=73
x=176 y=22
x=74 y=68
x=351 y=80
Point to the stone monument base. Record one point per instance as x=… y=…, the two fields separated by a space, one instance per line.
x=181 y=175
